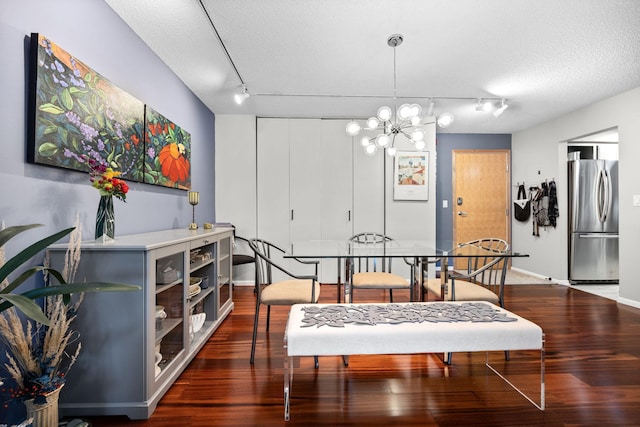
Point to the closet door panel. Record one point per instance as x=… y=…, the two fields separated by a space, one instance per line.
x=337 y=195
x=305 y=179
x=368 y=190
x=273 y=180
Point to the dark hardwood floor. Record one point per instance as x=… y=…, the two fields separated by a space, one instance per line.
x=592 y=374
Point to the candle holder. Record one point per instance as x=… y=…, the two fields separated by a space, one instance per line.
x=194 y=199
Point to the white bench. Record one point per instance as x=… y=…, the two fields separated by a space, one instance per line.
x=406 y=328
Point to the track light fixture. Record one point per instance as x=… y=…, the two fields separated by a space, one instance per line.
x=503 y=106
x=483 y=106
x=242 y=95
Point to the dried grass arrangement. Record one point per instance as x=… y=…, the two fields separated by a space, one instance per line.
x=37 y=355
x=39 y=352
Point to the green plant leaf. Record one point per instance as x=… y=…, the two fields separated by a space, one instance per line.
x=28 y=252
x=66 y=99
x=51 y=108
x=47 y=149
x=28 y=307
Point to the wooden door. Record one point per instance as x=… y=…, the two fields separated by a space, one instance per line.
x=481 y=196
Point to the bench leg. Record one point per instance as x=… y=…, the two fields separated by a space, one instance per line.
x=288 y=380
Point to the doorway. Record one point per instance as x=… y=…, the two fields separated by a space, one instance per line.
x=481 y=194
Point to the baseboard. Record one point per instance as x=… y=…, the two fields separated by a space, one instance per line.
x=539 y=276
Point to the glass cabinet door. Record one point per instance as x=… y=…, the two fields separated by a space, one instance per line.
x=169 y=317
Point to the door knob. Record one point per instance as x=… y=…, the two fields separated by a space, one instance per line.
x=460 y=213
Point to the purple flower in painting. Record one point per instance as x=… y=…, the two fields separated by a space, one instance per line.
x=118 y=129
x=100 y=144
x=73 y=118
x=151 y=152
x=59 y=66
x=76 y=82
x=74 y=64
x=48 y=47
x=88 y=132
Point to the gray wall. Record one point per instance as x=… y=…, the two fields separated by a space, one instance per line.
x=91 y=31
x=445 y=144
x=543 y=149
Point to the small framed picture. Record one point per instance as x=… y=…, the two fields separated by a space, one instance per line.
x=410 y=177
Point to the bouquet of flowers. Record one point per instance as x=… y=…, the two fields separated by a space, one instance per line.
x=106 y=180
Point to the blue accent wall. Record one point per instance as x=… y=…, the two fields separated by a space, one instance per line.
x=95 y=34
x=445 y=144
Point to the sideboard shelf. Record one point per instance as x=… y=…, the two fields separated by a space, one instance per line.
x=129 y=359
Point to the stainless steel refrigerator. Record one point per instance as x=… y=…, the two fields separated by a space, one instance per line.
x=593 y=221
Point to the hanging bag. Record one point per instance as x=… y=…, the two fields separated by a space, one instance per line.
x=522 y=205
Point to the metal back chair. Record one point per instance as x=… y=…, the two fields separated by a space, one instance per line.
x=295 y=289
x=375 y=272
x=482 y=280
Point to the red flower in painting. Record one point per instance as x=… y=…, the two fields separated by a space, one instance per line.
x=174 y=165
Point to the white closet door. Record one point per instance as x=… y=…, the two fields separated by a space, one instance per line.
x=337 y=195
x=273 y=180
x=305 y=179
x=368 y=190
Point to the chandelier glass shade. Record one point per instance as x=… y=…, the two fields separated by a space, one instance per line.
x=389 y=122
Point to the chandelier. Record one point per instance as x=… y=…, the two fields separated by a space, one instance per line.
x=405 y=120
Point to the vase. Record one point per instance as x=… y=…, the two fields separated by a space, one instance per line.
x=44 y=414
x=105 y=220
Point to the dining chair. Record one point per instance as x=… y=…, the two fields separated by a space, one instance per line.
x=375 y=272
x=293 y=289
x=482 y=279
x=242 y=252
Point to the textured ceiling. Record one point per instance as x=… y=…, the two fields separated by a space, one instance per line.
x=330 y=58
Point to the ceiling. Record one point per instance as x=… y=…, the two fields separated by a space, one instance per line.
x=330 y=58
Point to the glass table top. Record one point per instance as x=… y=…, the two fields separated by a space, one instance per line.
x=396 y=248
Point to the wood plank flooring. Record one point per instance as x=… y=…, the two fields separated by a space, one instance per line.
x=592 y=374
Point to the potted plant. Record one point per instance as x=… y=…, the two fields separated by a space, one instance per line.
x=37 y=347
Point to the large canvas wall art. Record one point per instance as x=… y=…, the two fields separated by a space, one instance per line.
x=410 y=175
x=76 y=114
x=167 y=159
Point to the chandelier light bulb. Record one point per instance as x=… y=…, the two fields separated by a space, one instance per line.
x=417 y=135
x=384 y=113
x=383 y=140
x=353 y=128
x=372 y=123
x=445 y=120
x=391 y=151
x=415 y=120
x=404 y=112
x=371 y=149
x=420 y=145
x=365 y=141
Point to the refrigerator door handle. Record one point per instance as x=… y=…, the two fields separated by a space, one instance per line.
x=602 y=195
x=597 y=235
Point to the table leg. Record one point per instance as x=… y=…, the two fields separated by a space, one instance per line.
x=444 y=278
x=347 y=279
x=339 y=280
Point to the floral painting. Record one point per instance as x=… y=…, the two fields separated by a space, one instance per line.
x=76 y=114
x=167 y=152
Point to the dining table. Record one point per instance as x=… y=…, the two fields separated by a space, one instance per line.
x=419 y=254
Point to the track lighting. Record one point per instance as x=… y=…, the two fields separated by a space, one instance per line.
x=503 y=106
x=483 y=106
x=240 y=97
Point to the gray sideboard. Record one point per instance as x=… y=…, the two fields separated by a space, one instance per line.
x=129 y=357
